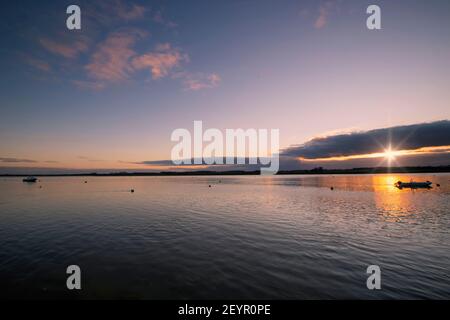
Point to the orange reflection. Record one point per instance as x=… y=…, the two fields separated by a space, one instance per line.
x=386 y=182
x=392 y=203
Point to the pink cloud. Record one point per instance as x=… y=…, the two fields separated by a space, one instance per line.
x=115 y=59
x=111 y=59
x=161 y=61
x=66 y=50
x=200 y=81
x=324 y=12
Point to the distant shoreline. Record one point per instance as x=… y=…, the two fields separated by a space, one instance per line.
x=377 y=170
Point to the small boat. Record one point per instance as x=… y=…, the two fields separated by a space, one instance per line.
x=29 y=179
x=413 y=185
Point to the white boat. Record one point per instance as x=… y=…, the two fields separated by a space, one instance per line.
x=29 y=179
x=413 y=185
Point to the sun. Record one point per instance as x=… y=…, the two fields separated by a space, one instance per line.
x=389 y=154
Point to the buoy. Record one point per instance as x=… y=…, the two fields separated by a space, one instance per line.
x=210 y=186
x=332 y=188
x=132 y=190
x=438 y=185
x=85 y=182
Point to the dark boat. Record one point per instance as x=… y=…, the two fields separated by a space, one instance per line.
x=413 y=185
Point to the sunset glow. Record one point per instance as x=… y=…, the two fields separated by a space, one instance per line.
x=225 y=156
x=388 y=154
x=109 y=96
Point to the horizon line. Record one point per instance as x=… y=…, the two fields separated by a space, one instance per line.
x=318 y=170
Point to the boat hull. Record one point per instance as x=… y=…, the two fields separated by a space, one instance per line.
x=413 y=185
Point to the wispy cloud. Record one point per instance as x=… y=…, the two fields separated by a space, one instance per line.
x=111 y=59
x=112 y=12
x=324 y=13
x=69 y=50
x=129 y=12
x=201 y=162
x=38 y=63
x=90 y=159
x=161 y=61
x=16 y=160
x=200 y=81
x=91 y=85
x=158 y=18
x=151 y=162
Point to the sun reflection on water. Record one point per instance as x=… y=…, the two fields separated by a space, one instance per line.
x=394 y=204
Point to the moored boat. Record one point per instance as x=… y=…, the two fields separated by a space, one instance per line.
x=413 y=185
x=29 y=179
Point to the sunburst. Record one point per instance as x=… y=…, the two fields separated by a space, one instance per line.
x=389 y=154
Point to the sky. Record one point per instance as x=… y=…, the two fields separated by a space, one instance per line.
x=109 y=96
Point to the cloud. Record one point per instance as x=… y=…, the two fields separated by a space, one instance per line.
x=158 y=18
x=90 y=159
x=115 y=59
x=71 y=50
x=111 y=59
x=114 y=12
x=425 y=144
x=407 y=137
x=111 y=13
x=169 y=165
x=117 y=56
x=91 y=85
x=16 y=160
x=198 y=81
x=152 y=162
x=161 y=61
x=129 y=12
x=324 y=12
x=38 y=64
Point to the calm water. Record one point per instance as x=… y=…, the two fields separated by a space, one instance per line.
x=286 y=237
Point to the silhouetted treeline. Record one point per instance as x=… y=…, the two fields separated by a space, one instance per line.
x=319 y=170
